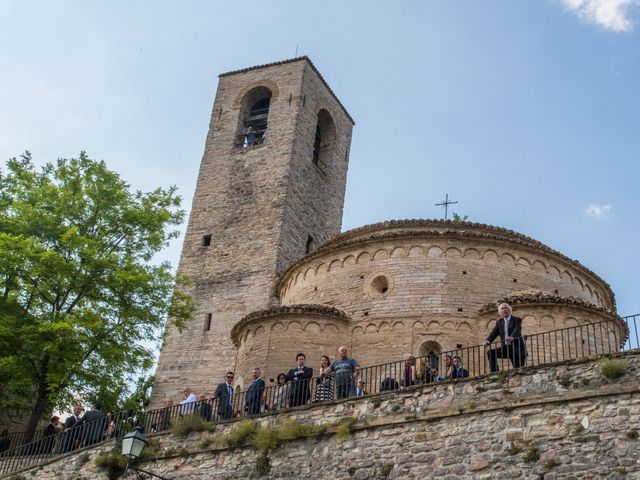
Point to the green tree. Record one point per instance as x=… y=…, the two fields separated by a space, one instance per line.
x=81 y=302
x=458 y=218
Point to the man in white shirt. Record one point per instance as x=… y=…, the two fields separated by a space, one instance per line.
x=188 y=401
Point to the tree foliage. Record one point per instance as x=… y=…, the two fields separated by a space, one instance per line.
x=81 y=302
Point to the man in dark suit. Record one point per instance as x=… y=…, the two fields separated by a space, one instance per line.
x=95 y=424
x=300 y=378
x=72 y=429
x=512 y=346
x=457 y=370
x=253 y=398
x=224 y=397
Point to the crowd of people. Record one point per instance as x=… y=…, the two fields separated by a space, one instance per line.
x=341 y=378
x=338 y=379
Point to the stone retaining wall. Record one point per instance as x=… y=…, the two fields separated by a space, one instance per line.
x=563 y=421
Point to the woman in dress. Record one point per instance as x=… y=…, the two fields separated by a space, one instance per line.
x=324 y=389
x=281 y=398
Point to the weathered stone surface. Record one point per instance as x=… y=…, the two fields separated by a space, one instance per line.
x=433 y=445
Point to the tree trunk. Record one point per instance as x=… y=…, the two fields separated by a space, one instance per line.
x=42 y=401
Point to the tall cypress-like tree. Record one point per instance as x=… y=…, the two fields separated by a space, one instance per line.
x=81 y=301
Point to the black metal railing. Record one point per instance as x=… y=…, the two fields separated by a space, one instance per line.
x=532 y=350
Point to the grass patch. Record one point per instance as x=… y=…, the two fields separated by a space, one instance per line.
x=151 y=451
x=175 y=452
x=113 y=463
x=290 y=430
x=612 y=369
x=531 y=453
x=344 y=428
x=564 y=382
x=514 y=449
x=576 y=430
x=266 y=439
x=243 y=433
x=191 y=423
x=620 y=470
x=263 y=464
x=207 y=442
x=632 y=434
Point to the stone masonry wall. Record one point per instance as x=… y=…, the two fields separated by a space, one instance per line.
x=566 y=421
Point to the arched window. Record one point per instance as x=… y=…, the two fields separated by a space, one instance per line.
x=254 y=114
x=431 y=350
x=324 y=140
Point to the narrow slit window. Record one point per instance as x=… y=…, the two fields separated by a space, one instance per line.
x=207 y=322
x=309 y=244
x=324 y=140
x=206 y=241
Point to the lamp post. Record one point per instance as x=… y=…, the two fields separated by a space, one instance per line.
x=132 y=445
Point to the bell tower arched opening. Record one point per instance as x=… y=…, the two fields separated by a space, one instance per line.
x=254 y=116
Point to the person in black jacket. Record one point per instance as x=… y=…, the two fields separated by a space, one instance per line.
x=72 y=429
x=253 y=397
x=46 y=444
x=512 y=346
x=5 y=442
x=300 y=378
x=224 y=397
x=94 y=425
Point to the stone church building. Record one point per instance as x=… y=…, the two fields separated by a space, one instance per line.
x=272 y=275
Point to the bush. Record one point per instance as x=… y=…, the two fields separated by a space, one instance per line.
x=290 y=430
x=114 y=463
x=207 y=442
x=531 y=454
x=245 y=431
x=191 y=423
x=266 y=439
x=263 y=464
x=612 y=369
x=344 y=428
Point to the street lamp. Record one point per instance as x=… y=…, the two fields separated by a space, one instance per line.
x=132 y=445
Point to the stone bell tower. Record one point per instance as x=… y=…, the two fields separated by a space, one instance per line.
x=270 y=189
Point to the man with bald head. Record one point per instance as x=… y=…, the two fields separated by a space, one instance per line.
x=512 y=346
x=345 y=370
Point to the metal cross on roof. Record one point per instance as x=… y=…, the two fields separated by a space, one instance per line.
x=445 y=203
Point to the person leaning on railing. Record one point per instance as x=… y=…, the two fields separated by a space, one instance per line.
x=299 y=376
x=512 y=345
x=324 y=387
x=281 y=398
x=345 y=370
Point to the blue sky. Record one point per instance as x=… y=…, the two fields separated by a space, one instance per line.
x=527 y=113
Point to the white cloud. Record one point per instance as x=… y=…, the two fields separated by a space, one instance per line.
x=609 y=14
x=599 y=212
